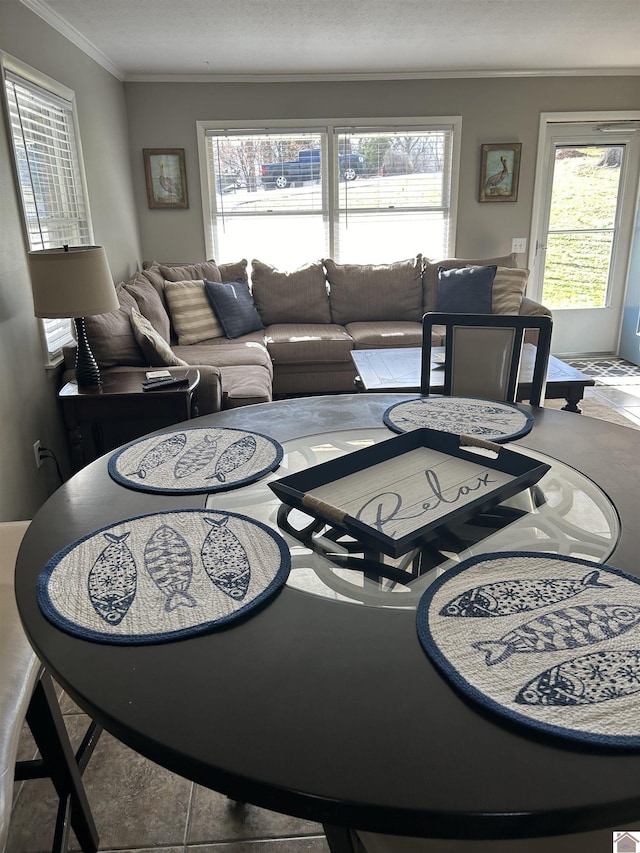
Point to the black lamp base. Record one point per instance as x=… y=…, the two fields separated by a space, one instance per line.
x=87 y=370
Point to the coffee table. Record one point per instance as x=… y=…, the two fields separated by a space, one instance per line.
x=398 y=369
x=329 y=710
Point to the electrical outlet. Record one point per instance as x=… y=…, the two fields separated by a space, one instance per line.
x=36 y=453
x=519 y=245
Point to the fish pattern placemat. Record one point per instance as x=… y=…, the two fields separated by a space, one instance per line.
x=163 y=576
x=195 y=460
x=546 y=640
x=493 y=421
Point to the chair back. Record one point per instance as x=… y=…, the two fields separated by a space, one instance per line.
x=483 y=354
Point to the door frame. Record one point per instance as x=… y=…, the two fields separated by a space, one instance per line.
x=541 y=188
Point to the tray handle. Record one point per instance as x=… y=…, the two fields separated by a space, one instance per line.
x=474 y=441
x=326 y=510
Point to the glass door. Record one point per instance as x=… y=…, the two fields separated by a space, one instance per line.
x=583 y=242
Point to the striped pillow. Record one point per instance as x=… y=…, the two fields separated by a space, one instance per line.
x=191 y=312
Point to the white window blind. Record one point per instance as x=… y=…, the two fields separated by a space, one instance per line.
x=48 y=168
x=265 y=191
x=403 y=205
x=357 y=194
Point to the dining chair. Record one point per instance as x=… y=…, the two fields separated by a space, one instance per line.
x=483 y=353
x=27 y=693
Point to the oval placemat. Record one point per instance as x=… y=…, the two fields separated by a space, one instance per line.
x=549 y=641
x=163 y=576
x=491 y=420
x=195 y=460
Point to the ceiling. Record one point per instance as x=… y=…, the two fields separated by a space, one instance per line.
x=285 y=39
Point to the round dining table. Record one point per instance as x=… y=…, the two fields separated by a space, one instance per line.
x=326 y=709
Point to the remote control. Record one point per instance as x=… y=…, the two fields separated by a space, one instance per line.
x=159 y=384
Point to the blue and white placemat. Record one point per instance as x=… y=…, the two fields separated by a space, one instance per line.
x=195 y=460
x=493 y=421
x=163 y=576
x=549 y=641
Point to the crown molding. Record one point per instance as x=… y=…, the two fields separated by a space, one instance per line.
x=58 y=23
x=376 y=76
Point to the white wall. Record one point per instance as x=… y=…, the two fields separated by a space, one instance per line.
x=28 y=393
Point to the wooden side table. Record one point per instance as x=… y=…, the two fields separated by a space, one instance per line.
x=102 y=418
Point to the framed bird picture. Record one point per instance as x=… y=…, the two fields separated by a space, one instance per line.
x=500 y=171
x=166 y=178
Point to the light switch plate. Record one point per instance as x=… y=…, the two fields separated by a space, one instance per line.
x=519 y=244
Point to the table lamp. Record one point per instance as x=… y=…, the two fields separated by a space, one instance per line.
x=74 y=281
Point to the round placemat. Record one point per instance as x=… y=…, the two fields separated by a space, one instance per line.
x=163 y=576
x=195 y=460
x=493 y=421
x=549 y=641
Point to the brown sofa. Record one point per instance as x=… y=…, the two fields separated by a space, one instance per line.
x=278 y=332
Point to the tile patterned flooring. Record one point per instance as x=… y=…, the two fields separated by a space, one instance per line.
x=139 y=807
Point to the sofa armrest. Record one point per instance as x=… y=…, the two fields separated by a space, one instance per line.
x=529 y=307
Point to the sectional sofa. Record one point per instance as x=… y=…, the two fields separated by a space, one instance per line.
x=270 y=333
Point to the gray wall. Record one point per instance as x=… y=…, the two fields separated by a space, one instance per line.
x=493 y=110
x=28 y=393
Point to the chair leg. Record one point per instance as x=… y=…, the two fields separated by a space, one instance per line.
x=47 y=726
x=339 y=839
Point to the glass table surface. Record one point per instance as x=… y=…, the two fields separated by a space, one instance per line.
x=564 y=513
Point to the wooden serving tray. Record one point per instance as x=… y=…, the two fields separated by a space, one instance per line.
x=401 y=492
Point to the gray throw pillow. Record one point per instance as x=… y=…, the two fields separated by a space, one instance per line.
x=156 y=350
x=466 y=291
x=233 y=305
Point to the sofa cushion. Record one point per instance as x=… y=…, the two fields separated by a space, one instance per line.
x=232 y=304
x=299 y=296
x=221 y=352
x=509 y=286
x=430 y=274
x=466 y=291
x=308 y=343
x=111 y=337
x=154 y=347
x=186 y=272
x=191 y=313
x=385 y=334
x=361 y=292
x=150 y=303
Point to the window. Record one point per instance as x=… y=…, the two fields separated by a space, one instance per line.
x=48 y=169
x=362 y=194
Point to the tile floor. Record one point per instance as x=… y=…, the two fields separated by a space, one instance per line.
x=139 y=807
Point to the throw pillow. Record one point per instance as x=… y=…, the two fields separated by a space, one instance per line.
x=111 y=337
x=508 y=290
x=466 y=291
x=190 y=272
x=150 y=303
x=191 y=313
x=156 y=350
x=368 y=292
x=430 y=273
x=234 y=307
x=299 y=296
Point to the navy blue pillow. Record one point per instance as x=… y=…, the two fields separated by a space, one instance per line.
x=466 y=291
x=232 y=304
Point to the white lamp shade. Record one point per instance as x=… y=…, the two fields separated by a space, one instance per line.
x=71 y=282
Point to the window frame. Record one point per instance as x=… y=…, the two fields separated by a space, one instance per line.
x=330 y=129
x=58 y=330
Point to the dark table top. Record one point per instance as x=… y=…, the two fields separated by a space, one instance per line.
x=328 y=710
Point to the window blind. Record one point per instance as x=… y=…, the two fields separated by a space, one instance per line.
x=48 y=169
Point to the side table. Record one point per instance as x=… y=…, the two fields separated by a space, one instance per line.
x=98 y=419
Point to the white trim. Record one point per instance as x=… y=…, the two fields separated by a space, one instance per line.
x=51 y=17
x=539 y=194
x=631 y=71
x=229 y=126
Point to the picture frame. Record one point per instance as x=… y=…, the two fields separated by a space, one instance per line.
x=166 y=178
x=499 y=171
